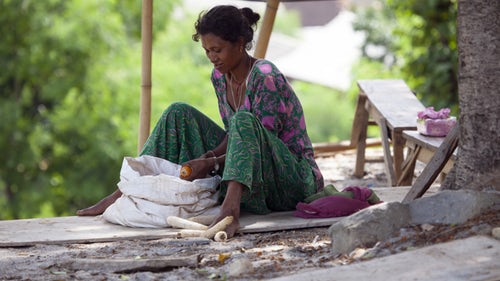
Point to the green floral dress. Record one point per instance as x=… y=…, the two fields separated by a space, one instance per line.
x=268 y=150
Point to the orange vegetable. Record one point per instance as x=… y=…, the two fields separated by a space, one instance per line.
x=185 y=171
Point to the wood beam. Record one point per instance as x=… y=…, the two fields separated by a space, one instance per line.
x=266 y=29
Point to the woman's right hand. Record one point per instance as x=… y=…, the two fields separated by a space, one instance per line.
x=200 y=168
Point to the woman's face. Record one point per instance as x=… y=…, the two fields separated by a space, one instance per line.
x=223 y=54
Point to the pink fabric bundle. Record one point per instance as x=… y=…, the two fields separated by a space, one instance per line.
x=430 y=113
x=435 y=123
x=335 y=205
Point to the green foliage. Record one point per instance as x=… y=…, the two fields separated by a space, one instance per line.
x=417 y=39
x=65 y=101
x=286 y=22
x=131 y=14
x=328 y=112
x=37 y=67
x=181 y=72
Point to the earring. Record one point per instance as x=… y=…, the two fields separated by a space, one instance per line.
x=241 y=49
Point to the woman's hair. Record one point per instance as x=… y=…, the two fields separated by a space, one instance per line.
x=228 y=23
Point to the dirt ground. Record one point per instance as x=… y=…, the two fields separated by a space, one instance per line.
x=245 y=257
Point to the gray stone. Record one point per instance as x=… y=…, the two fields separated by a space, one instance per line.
x=496 y=232
x=368 y=226
x=474 y=258
x=452 y=206
x=377 y=223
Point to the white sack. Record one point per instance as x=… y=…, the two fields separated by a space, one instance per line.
x=152 y=191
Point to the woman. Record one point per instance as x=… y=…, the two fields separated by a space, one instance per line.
x=263 y=154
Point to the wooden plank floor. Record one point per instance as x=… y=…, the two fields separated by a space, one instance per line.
x=73 y=229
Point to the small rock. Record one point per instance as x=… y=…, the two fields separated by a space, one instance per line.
x=496 y=232
x=426 y=227
x=357 y=253
x=240 y=266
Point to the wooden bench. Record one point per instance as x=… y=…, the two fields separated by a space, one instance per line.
x=393 y=107
x=421 y=148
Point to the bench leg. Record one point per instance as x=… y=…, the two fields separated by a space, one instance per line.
x=408 y=167
x=434 y=167
x=398 y=145
x=359 y=170
x=358 y=135
x=442 y=176
x=389 y=167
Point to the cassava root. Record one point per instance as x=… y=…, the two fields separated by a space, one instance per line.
x=177 y=222
x=220 y=226
x=194 y=229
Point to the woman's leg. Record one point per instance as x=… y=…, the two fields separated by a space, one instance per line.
x=100 y=206
x=274 y=178
x=181 y=134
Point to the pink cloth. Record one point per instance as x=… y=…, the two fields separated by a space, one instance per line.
x=335 y=205
x=430 y=113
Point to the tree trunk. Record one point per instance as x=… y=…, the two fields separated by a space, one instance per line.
x=478 y=164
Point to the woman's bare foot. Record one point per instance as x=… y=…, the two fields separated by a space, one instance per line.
x=101 y=206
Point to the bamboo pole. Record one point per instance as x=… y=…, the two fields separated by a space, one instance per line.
x=266 y=29
x=146 y=39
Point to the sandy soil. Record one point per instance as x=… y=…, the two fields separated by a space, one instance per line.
x=244 y=257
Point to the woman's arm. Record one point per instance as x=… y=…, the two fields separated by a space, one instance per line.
x=218 y=151
x=212 y=160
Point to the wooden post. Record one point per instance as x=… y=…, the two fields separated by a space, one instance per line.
x=266 y=29
x=146 y=39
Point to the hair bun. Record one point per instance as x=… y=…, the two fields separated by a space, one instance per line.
x=250 y=15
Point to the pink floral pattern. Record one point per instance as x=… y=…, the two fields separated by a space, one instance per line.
x=272 y=100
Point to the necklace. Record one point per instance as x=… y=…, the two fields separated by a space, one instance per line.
x=239 y=88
